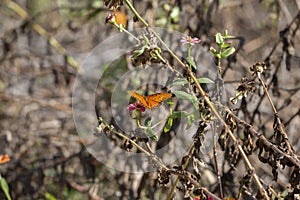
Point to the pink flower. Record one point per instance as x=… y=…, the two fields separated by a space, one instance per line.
x=189 y=40
x=136 y=106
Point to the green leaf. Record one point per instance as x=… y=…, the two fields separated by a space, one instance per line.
x=170 y=122
x=227 y=52
x=148 y=122
x=190 y=122
x=205 y=80
x=138 y=52
x=170 y=102
x=146 y=40
x=196 y=114
x=180 y=81
x=213 y=50
x=167 y=128
x=4 y=187
x=225 y=45
x=219 y=39
x=184 y=95
x=229 y=37
x=225 y=33
x=175 y=13
x=161 y=21
x=226 y=36
x=179 y=114
x=183 y=81
x=218 y=55
x=169 y=125
x=154 y=55
x=191 y=62
x=49 y=196
x=149 y=132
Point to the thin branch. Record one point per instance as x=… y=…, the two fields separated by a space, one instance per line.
x=216 y=162
x=292 y=159
x=170 y=195
x=209 y=103
x=188 y=175
x=281 y=128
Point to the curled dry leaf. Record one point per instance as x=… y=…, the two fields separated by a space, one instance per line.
x=113 y=4
x=163 y=177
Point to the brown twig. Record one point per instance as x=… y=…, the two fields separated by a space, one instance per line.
x=170 y=195
x=107 y=128
x=188 y=175
x=209 y=103
x=281 y=128
x=292 y=159
x=230 y=133
x=216 y=164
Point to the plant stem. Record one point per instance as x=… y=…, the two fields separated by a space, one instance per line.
x=170 y=195
x=152 y=156
x=267 y=143
x=216 y=113
x=282 y=131
x=189 y=50
x=122 y=29
x=209 y=103
x=136 y=13
x=216 y=161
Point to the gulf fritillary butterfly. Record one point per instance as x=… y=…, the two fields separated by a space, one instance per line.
x=4 y=158
x=151 y=101
x=120 y=18
x=117 y=17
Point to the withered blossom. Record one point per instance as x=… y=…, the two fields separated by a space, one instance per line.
x=189 y=40
x=136 y=106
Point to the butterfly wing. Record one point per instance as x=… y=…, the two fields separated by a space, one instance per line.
x=139 y=97
x=151 y=101
x=155 y=99
x=159 y=97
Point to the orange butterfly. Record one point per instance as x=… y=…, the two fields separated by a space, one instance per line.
x=118 y=17
x=151 y=101
x=4 y=158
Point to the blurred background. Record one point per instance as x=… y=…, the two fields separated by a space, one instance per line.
x=37 y=131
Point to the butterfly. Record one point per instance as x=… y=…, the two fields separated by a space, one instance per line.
x=118 y=17
x=4 y=158
x=151 y=101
